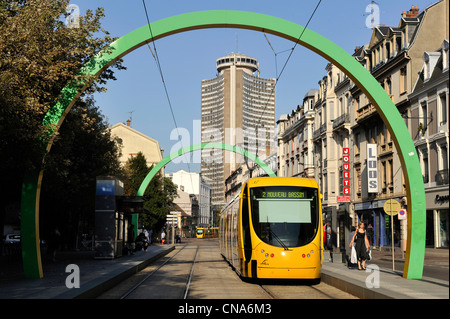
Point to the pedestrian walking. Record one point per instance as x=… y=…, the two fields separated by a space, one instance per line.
x=325 y=236
x=163 y=237
x=352 y=259
x=362 y=245
x=131 y=238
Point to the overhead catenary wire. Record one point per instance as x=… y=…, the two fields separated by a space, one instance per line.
x=288 y=58
x=158 y=64
x=278 y=76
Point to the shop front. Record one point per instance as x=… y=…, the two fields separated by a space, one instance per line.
x=378 y=224
x=437 y=233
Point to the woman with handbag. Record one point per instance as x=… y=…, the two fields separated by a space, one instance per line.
x=362 y=245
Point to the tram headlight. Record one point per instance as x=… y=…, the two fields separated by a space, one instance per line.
x=266 y=255
x=262 y=251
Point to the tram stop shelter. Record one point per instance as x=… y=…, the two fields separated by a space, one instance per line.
x=115 y=216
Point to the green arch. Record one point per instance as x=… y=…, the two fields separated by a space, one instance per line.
x=258 y=22
x=197 y=147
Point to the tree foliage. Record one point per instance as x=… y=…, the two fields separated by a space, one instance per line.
x=39 y=55
x=159 y=194
x=83 y=151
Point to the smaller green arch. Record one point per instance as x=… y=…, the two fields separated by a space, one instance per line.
x=197 y=147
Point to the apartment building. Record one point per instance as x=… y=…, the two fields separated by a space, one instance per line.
x=131 y=142
x=238 y=108
x=428 y=122
x=295 y=146
x=347 y=125
x=394 y=57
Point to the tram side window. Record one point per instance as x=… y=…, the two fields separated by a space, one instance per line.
x=246 y=226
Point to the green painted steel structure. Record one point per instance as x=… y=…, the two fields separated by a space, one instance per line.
x=415 y=251
x=197 y=147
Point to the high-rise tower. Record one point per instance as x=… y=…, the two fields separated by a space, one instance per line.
x=238 y=108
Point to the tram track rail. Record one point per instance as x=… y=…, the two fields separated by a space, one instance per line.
x=191 y=273
x=197 y=271
x=267 y=291
x=298 y=290
x=152 y=273
x=136 y=286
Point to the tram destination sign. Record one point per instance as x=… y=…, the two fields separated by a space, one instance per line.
x=283 y=195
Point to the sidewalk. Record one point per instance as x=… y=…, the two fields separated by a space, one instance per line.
x=379 y=282
x=96 y=275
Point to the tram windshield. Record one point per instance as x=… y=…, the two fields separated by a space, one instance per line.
x=199 y=231
x=285 y=216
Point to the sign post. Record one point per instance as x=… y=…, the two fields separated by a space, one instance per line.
x=392 y=207
x=172 y=221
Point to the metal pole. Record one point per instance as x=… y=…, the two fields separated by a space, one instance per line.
x=173 y=234
x=392 y=237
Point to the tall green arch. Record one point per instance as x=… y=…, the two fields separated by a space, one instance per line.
x=415 y=251
x=197 y=147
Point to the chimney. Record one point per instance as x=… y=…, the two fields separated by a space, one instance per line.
x=357 y=48
x=128 y=122
x=411 y=13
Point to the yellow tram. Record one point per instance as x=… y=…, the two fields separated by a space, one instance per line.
x=210 y=232
x=272 y=229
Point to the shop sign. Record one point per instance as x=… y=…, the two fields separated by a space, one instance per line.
x=372 y=172
x=441 y=198
x=345 y=176
x=343 y=199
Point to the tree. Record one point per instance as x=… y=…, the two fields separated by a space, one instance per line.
x=83 y=151
x=39 y=55
x=159 y=194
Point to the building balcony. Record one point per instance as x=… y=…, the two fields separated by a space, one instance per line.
x=386 y=149
x=340 y=121
x=365 y=112
x=316 y=134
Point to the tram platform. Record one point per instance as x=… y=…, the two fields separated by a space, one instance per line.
x=96 y=275
x=380 y=282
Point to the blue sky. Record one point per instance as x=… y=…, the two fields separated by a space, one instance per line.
x=188 y=58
